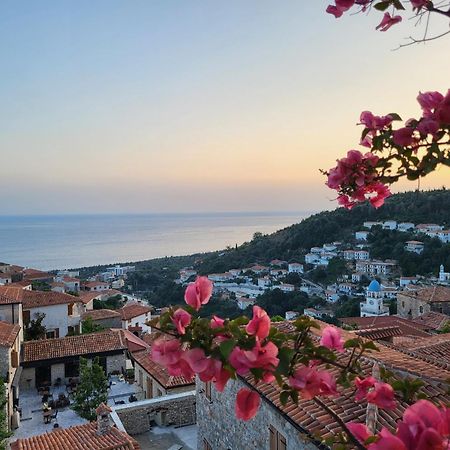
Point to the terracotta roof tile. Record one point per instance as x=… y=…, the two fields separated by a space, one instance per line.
x=35 y=274
x=80 y=437
x=134 y=310
x=432 y=320
x=99 y=314
x=103 y=341
x=34 y=299
x=8 y=334
x=429 y=294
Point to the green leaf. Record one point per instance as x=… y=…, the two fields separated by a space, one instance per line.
x=284 y=397
x=394 y=116
x=226 y=347
x=382 y=6
x=398 y=5
x=284 y=355
x=350 y=343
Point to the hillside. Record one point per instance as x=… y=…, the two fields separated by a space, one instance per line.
x=294 y=241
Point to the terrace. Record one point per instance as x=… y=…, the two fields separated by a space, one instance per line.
x=32 y=420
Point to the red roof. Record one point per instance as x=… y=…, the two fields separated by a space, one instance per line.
x=34 y=299
x=35 y=274
x=80 y=437
x=134 y=310
x=84 y=344
x=430 y=294
x=407 y=327
x=432 y=320
x=100 y=314
x=8 y=334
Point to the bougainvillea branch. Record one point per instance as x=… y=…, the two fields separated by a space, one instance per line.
x=218 y=350
x=412 y=149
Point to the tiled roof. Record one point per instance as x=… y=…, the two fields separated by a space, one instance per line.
x=80 y=437
x=432 y=320
x=314 y=420
x=22 y=283
x=435 y=349
x=87 y=296
x=85 y=344
x=99 y=314
x=380 y=333
x=9 y=295
x=34 y=299
x=8 y=334
x=430 y=294
x=133 y=310
x=407 y=327
x=159 y=372
x=95 y=283
x=34 y=274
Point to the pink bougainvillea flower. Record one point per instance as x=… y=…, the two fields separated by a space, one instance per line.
x=359 y=430
x=181 y=368
x=197 y=359
x=260 y=323
x=387 y=441
x=332 y=339
x=404 y=136
x=388 y=21
x=181 y=319
x=418 y=3
x=216 y=322
x=221 y=379
x=166 y=352
x=428 y=126
x=335 y=11
x=373 y=122
x=363 y=386
x=429 y=101
x=247 y=404
x=259 y=357
x=311 y=382
x=198 y=293
x=239 y=361
x=443 y=110
x=344 y=5
x=382 y=192
x=382 y=395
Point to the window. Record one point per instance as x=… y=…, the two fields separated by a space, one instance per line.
x=206 y=445
x=70 y=309
x=403 y=304
x=276 y=440
x=71 y=369
x=208 y=390
x=421 y=309
x=26 y=316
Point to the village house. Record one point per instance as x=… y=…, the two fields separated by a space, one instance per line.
x=434 y=322
x=412 y=304
x=58 y=286
x=235 y=272
x=360 y=255
x=331 y=296
x=405 y=226
x=135 y=317
x=50 y=360
x=244 y=302
x=95 y=286
x=414 y=246
x=106 y=318
x=444 y=236
x=285 y=287
x=37 y=276
x=444 y=277
x=226 y=276
x=258 y=269
x=357 y=277
x=278 y=273
x=264 y=282
x=318 y=314
x=390 y=225
x=405 y=281
x=361 y=235
x=295 y=267
x=304 y=426
x=5 y=279
x=369 y=224
x=311 y=258
x=277 y=262
x=100 y=435
x=428 y=227
x=375 y=267
x=10 y=341
x=291 y=315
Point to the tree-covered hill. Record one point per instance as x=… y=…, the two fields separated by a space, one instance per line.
x=294 y=241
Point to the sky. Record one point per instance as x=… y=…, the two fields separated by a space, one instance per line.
x=187 y=106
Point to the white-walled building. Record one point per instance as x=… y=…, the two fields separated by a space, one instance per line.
x=414 y=246
x=443 y=276
x=285 y=287
x=373 y=306
x=244 y=302
x=264 y=282
x=444 y=236
x=369 y=224
x=96 y=286
x=295 y=268
x=405 y=281
x=312 y=258
x=135 y=317
x=390 y=225
x=291 y=315
x=375 y=267
x=361 y=235
x=5 y=279
x=405 y=226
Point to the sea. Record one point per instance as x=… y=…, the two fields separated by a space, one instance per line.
x=72 y=241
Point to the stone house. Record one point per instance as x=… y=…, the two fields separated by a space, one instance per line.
x=412 y=304
x=306 y=425
x=49 y=359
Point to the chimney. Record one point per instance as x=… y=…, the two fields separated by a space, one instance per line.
x=103 y=424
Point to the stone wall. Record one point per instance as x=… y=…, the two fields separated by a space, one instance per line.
x=177 y=409
x=58 y=371
x=115 y=363
x=217 y=423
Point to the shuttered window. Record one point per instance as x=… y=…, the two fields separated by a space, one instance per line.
x=276 y=440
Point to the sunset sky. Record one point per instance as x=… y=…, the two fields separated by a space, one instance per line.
x=178 y=106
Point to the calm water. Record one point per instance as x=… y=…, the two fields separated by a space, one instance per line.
x=50 y=242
